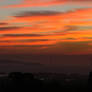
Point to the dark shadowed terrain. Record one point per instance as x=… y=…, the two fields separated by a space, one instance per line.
x=18 y=82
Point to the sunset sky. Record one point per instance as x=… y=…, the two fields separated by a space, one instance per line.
x=45 y=33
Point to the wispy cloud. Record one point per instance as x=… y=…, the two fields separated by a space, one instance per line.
x=46 y=29
x=35 y=3
x=8 y=28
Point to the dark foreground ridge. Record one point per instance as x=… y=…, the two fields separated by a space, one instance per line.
x=45 y=82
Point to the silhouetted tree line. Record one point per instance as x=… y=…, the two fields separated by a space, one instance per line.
x=18 y=82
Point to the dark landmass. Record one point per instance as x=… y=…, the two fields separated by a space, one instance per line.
x=29 y=82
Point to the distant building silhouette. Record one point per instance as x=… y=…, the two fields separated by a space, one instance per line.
x=29 y=76
x=90 y=80
x=15 y=75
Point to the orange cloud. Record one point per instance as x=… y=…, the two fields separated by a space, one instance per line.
x=72 y=27
x=36 y=3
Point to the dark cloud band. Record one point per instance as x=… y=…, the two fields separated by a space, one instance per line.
x=37 y=13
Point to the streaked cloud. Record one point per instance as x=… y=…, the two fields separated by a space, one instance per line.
x=38 y=13
x=35 y=3
x=35 y=25
x=8 y=28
